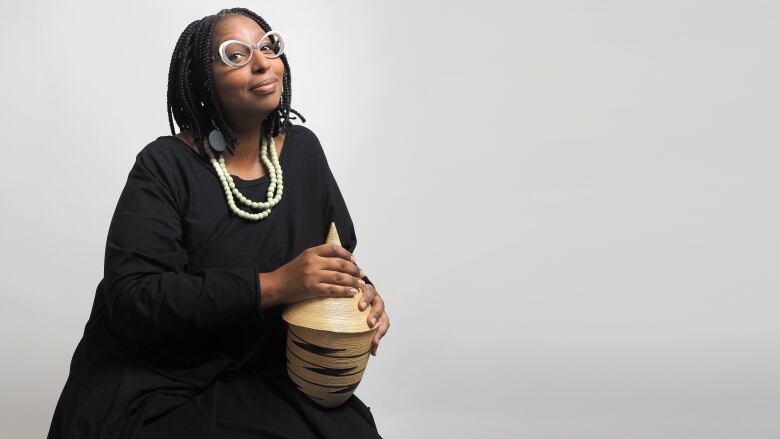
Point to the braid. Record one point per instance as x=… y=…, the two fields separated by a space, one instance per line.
x=192 y=97
x=219 y=118
x=171 y=74
x=175 y=72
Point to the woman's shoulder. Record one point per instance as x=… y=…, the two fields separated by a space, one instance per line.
x=164 y=148
x=163 y=159
x=308 y=142
x=303 y=132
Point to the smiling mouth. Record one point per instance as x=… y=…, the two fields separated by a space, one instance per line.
x=266 y=85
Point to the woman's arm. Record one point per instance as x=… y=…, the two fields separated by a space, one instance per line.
x=150 y=294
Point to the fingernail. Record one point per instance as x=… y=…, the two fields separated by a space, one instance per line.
x=373 y=321
x=362 y=273
x=352 y=258
x=361 y=282
x=353 y=291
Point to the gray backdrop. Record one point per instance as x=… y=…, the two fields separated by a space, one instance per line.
x=569 y=206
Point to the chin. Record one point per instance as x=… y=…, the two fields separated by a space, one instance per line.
x=261 y=111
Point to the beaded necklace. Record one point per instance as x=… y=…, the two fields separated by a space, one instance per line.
x=275 y=171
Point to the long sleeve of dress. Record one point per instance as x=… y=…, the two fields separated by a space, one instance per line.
x=334 y=207
x=150 y=294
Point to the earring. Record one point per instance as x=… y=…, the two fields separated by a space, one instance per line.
x=217 y=140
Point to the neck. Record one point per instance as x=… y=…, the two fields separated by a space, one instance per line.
x=248 y=132
x=248 y=146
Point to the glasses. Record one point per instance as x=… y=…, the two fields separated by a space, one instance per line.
x=236 y=53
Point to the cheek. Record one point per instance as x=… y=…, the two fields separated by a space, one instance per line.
x=218 y=82
x=224 y=86
x=279 y=70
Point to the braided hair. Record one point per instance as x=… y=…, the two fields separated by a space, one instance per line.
x=192 y=98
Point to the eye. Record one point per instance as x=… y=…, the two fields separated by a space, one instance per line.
x=235 y=56
x=236 y=52
x=268 y=48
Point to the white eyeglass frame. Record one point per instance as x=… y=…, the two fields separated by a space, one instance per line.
x=251 y=47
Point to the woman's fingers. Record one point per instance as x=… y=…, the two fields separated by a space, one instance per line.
x=331 y=290
x=371 y=296
x=384 y=325
x=368 y=296
x=342 y=265
x=334 y=251
x=377 y=309
x=340 y=278
x=338 y=284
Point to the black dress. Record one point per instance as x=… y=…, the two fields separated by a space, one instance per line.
x=177 y=344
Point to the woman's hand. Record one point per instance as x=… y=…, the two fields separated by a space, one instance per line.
x=377 y=314
x=326 y=270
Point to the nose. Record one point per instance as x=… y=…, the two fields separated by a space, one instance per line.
x=259 y=61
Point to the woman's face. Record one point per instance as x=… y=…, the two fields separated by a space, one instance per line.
x=242 y=104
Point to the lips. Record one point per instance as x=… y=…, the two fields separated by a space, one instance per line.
x=263 y=83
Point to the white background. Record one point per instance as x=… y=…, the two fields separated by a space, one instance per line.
x=570 y=207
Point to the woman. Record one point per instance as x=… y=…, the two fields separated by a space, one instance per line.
x=185 y=337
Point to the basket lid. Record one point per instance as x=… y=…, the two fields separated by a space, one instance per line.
x=334 y=314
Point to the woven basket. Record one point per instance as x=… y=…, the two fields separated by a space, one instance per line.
x=328 y=344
